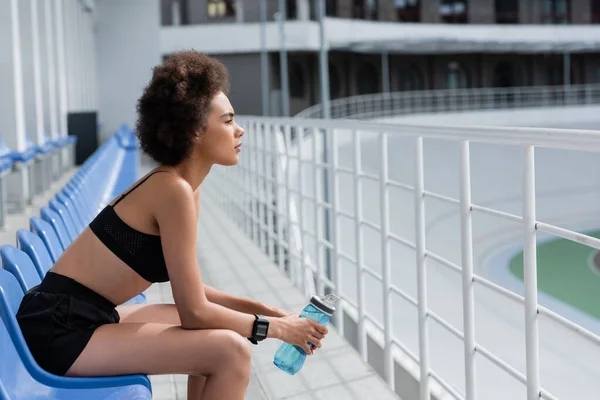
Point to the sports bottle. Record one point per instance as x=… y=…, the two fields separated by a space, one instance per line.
x=290 y=358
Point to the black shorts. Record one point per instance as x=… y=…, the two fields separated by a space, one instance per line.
x=58 y=318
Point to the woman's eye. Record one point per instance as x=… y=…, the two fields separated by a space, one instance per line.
x=230 y=121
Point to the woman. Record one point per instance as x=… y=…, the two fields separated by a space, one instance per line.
x=70 y=321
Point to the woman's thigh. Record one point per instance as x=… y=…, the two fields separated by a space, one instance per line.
x=157 y=313
x=158 y=348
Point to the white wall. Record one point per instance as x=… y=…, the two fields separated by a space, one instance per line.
x=127 y=47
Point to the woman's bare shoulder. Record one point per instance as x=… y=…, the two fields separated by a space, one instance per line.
x=171 y=192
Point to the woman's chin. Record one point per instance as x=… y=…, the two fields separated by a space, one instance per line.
x=230 y=162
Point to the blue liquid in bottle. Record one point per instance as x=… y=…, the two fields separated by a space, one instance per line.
x=290 y=358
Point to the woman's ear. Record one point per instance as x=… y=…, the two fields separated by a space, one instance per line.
x=199 y=135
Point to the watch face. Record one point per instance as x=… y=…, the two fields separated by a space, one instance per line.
x=262 y=327
x=261 y=330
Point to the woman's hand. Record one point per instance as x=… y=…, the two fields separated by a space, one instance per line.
x=299 y=331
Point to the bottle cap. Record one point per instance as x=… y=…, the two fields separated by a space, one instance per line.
x=325 y=304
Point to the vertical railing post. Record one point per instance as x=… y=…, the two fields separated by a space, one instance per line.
x=262 y=188
x=302 y=279
x=388 y=361
x=317 y=211
x=358 y=235
x=333 y=197
x=530 y=274
x=269 y=179
x=421 y=269
x=247 y=203
x=466 y=236
x=281 y=206
x=288 y=195
x=256 y=202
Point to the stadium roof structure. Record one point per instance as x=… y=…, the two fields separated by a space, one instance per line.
x=419 y=38
x=380 y=36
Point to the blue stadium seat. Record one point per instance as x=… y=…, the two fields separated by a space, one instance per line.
x=79 y=201
x=20 y=265
x=72 y=211
x=61 y=210
x=31 y=255
x=17 y=156
x=22 y=376
x=35 y=248
x=54 y=219
x=48 y=235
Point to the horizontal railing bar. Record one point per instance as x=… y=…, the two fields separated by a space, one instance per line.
x=311 y=234
x=560 y=319
x=326 y=243
x=501 y=364
x=371 y=177
x=541 y=309
x=499 y=289
x=542 y=137
x=443 y=261
x=346 y=257
x=403 y=294
x=438 y=196
x=343 y=170
x=547 y=396
x=377 y=324
x=328 y=282
x=403 y=241
x=496 y=213
x=446 y=385
x=396 y=184
x=446 y=325
x=405 y=350
x=569 y=235
x=310 y=199
x=373 y=273
x=371 y=225
x=349 y=301
x=345 y=214
x=319 y=164
x=433 y=374
x=431 y=101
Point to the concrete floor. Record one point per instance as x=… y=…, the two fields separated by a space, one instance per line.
x=231 y=262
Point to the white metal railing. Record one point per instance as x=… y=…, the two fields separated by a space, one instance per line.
x=437 y=101
x=287 y=196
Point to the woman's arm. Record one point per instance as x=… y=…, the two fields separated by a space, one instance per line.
x=241 y=304
x=176 y=215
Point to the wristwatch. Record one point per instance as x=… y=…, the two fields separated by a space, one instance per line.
x=259 y=329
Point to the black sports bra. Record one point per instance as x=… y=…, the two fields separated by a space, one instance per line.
x=141 y=251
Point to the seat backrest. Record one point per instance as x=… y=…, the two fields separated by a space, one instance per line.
x=59 y=208
x=21 y=375
x=71 y=207
x=36 y=250
x=13 y=374
x=11 y=294
x=83 y=204
x=48 y=235
x=20 y=265
x=53 y=218
x=3 y=393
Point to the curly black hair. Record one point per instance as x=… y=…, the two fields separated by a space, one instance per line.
x=173 y=108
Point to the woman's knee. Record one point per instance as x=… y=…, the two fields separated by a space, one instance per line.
x=235 y=352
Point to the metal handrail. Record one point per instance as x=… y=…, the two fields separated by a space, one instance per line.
x=393 y=104
x=264 y=191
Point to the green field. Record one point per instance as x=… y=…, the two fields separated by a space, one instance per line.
x=564 y=272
